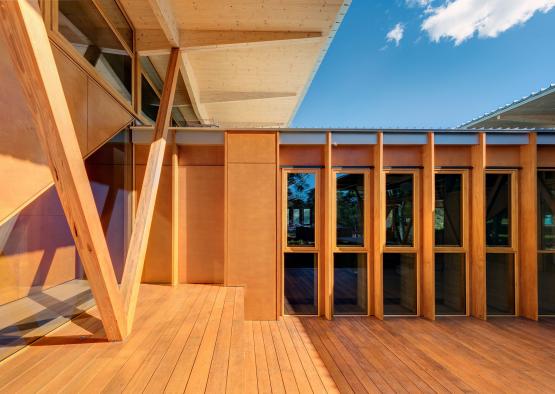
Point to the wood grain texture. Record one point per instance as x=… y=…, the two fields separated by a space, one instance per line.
x=428 y=301
x=327 y=255
x=141 y=230
x=378 y=227
x=478 y=230
x=30 y=50
x=528 y=230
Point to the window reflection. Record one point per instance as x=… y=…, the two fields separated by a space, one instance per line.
x=350 y=209
x=448 y=225
x=300 y=208
x=350 y=291
x=546 y=208
x=500 y=283
x=498 y=205
x=150 y=102
x=546 y=283
x=301 y=283
x=399 y=284
x=80 y=22
x=399 y=210
x=450 y=277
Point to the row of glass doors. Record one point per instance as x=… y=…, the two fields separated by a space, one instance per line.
x=351 y=221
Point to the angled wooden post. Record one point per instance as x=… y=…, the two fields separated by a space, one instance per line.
x=141 y=230
x=428 y=303
x=30 y=50
x=478 y=230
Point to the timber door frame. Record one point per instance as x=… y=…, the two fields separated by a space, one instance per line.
x=415 y=248
x=367 y=239
x=317 y=248
x=465 y=233
x=513 y=247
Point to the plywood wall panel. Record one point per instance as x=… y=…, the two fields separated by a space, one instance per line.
x=157 y=268
x=105 y=116
x=402 y=156
x=251 y=201
x=352 y=155
x=546 y=156
x=502 y=156
x=251 y=148
x=452 y=156
x=201 y=224
x=301 y=155
x=201 y=155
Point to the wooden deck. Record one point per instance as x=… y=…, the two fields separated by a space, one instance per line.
x=193 y=338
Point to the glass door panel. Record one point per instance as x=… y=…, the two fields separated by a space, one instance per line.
x=350 y=291
x=301 y=283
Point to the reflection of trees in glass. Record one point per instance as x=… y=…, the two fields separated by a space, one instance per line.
x=300 y=208
x=350 y=209
x=498 y=202
x=546 y=197
x=399 y=210
x=448 y=209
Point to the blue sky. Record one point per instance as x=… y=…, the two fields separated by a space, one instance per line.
x=367 y=81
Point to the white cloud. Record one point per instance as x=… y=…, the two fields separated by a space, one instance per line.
x=418 y=3
x=396 y=34
x=460 y=20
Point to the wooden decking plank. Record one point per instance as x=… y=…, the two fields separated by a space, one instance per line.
x=274 y=371
x=185 y=363
x=307 y=362
x=237 y=366
x=262 y=371
x=287 y=375
x=296 y=366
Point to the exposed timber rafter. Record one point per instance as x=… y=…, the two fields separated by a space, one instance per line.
x=231 y=97
x=192 y=88
x=156 y=42
x=163 y=11
x=30 y=49
x=141 y=230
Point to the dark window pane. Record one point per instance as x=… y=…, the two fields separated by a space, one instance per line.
x=448 y=225
x=546 y=284
x=150 y=102
x=399 y=284
x=498 y=206
x=300 y=208
x=350 y=285
x=350 y=209
x=301 y=283
x=546 y=209
x=399 y=210
x=500 y=283
x=83 y=26
x=450 y=277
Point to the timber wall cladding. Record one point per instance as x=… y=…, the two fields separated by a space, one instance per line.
x=251 y=220
x=95 y=114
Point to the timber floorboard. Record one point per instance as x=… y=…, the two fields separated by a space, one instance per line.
x=193 y=338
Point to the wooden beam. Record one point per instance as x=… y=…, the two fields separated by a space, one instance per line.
x=428 y=302
x=33 y=59
x=163 y=12
x=378 y=226
x=478 y=230
x=234 y=97
x=155 y=42
x=175 y=213
x=528 y=233
x=139 y=239
x=191 y=85
x=327 y=255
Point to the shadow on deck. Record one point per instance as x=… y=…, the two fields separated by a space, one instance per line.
x=194 y=338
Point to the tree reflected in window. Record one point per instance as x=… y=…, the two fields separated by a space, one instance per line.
x=350 y=209
x=399 y=210
x=300 y=208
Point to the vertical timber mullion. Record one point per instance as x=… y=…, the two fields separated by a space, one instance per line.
x=528 y=230
x=30 y=50
x=378 y=226
x=427 y=246
x=478 y=230
x=328 y=228
x=175 y=213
